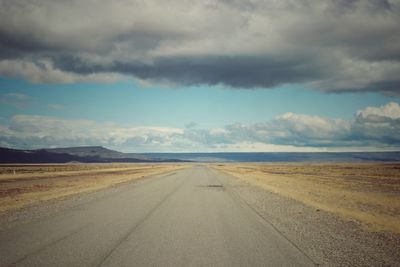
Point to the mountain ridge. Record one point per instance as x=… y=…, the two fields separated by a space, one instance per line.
x=95 y=151
x=99 y=154
x=84 y=154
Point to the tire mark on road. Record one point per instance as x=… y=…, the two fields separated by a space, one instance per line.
x=35 y=252
x=137 y=225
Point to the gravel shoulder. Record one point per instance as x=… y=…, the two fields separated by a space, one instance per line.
x=326 y=238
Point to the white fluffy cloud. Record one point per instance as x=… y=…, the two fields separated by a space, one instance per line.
x=305 y=130
x=390 y=111
x=42 y=131
x=371 y=128
x=378 y=123
x=328 y=45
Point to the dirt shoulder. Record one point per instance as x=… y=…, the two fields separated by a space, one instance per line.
x=329 y=238
x=366 y=193
x=27 y=185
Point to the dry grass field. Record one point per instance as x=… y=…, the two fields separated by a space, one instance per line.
x=23 y=185
x=367 y=193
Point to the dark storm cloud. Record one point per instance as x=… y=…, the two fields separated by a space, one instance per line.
x=235 y=71
x=332 y=46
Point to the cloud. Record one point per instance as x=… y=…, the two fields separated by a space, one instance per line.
x=390 y=111
x=332 y=46
x=44 y=72
x=305 y=130
x=378 y=123
x=372 y=128
x=42 y=131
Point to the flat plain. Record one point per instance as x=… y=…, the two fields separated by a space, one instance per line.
x=368 y=193
x=22 y=185
x=196 y=215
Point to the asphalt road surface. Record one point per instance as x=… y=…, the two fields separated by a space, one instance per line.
x=187 y=218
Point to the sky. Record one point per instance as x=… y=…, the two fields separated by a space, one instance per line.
x=201 y=76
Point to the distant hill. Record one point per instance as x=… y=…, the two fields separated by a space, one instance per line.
x=283 y=156
x=99 y=154
x=96 y=154
x=96 y=151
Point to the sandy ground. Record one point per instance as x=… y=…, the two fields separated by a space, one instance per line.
x=25 y=185
x=365 y=193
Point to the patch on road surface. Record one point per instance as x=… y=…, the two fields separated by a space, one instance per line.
x=214 y=186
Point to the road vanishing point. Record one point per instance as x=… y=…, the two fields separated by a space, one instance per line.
x=190 y=217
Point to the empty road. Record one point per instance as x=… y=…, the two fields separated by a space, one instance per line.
x=189 y=217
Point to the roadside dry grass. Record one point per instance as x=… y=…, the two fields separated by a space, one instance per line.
x=367 y=193
x=24 y=185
